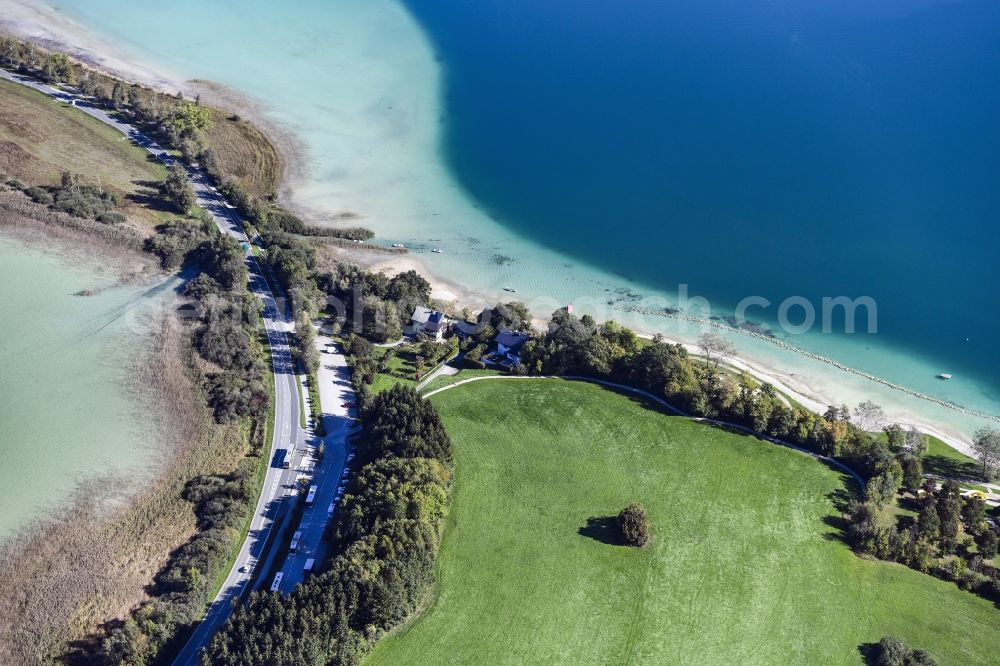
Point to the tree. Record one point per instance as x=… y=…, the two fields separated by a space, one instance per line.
x=916 y=443
x=882 y=487
x=58 y=68
x=928 y=523
x=868 y=416
x=379 y=320
x=119 y=95
x=988 y=544
x=408 y=289
x=715 y=347
x=949 y=508
x=307 y=347
x=189 y=119
x=986 y=445
x=893 y=652
x=634 y=525
x=177 y=189
x=974 y=514
x=510 y=316
x=913 y=471
x=895 y=436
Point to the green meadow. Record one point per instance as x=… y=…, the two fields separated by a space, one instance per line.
x=747 y=564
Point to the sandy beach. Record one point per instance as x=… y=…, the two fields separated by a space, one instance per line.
x=53 y=28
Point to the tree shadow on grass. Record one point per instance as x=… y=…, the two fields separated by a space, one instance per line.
x=603 y=529
x=840 y=498
x=956 y=469
x=869 y=653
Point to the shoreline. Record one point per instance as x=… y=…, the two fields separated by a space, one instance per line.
x=52 y=27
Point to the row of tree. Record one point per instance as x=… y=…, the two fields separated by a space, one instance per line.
x=174 y=121
x=386 y=537
x=579 y=346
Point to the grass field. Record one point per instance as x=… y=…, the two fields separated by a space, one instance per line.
x=747 y=565
x=41 y=138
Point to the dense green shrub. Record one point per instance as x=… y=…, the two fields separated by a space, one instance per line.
x=634 y=525
x=175 y=242
x=85 y=201
x=893 y=652
x=39 y=195
x=112 y=217
x=226 y=262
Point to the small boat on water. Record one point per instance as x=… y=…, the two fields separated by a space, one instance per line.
x=398 y=245
x=437 y=251
x=510 y=289
x=944 y=375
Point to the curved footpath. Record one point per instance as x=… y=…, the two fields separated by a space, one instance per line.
x=278 y=492
x=666 y=405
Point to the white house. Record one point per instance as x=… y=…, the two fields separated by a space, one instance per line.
x=509 y=344
x=429 y=322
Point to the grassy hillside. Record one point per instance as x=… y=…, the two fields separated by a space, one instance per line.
x=41 y=138
x=747 y=565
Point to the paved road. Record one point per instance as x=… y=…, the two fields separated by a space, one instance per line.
x=279 y=484
x=445 y=369
x=335 y=392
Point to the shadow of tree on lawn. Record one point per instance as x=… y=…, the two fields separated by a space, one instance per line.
x=869 y=652
x=603 y=529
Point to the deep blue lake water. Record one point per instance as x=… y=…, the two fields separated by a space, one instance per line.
x=746 y=148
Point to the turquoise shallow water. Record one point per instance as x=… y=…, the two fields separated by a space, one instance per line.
x=65 y=412
x=777 y=149
x=588 y=150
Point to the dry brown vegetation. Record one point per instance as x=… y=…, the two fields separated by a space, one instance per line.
x=260 y=152
x=20 y=215
x=64 y=577
x=245 y=153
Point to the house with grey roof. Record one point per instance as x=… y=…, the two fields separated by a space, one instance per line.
x=431 y=323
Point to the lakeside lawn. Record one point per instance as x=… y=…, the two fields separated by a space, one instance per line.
x=747 y=565
x=943 y=460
